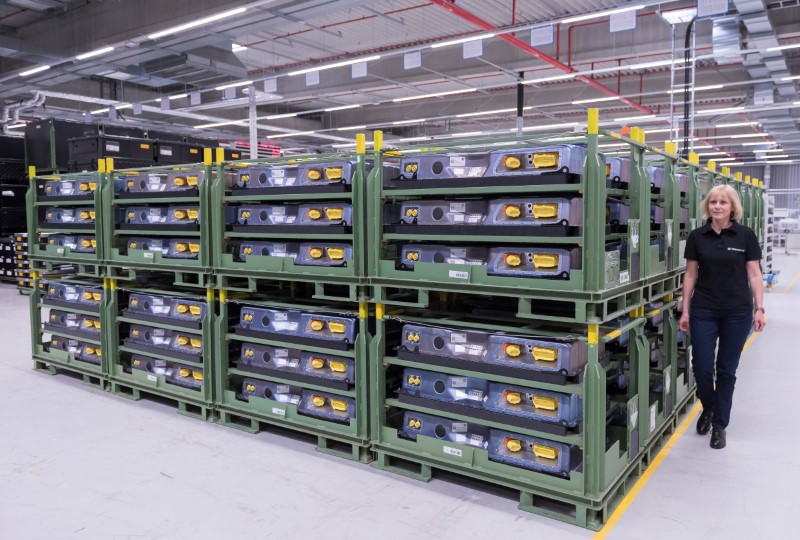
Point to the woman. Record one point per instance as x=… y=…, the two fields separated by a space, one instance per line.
x=723 y=277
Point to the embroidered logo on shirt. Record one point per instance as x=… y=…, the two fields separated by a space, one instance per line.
x=735 y=249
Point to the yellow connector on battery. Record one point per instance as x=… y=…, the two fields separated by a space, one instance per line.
x=513 y=398
x=545 y=452
x=334 y=214
x=250 y=388
x=196 y=342
x=545 y=354
x=195 y=310
x=412 y=256
x=512 y=162
x=314 y=174
x=414 y=380
x=545 y=260
x=339 y=405
x=136 y=362
x=512 y=211
x=512 y=349
x=318 y=401
x=314 y=213
x=413 y=337
x=513 y=259
x=316 y=325
x=248 y=352
x=513 y=445
x=316 y=252
x=411 y=167
x=245 y=214
x=336 y=327
x=317 y=362
x=334 y=173
x=194 y=247
x=197 y=375
x=545 y=402
x=414 y=423
x=185 y=372
x=337 y=366
x=544 y=160
x=545 y=211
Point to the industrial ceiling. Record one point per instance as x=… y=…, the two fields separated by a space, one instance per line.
x=311 y=73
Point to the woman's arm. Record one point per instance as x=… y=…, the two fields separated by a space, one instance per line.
x=757 y=286
x=689 y=280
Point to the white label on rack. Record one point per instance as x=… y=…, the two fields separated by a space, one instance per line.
x=452 y=451
x=60 y=251
x=281 y=353
x=455 y=274
x=278 y=411
x=667 y=382
x=458 y=161
x=112 y=146
x=458 y=218
x=152 y=378
x=458 y=338
x=458 y=253
x=281 y=316
x=279 y=249
x=165 y=150
x=278 y=173
x=624 y=276
x=459 y=427
x=459 y=349
x=458 y=382
x=279 y=211
x=282 y=389
x=458 y=207
x=147 y=255
x=653 y=417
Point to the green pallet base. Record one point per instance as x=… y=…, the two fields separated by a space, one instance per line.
x=82 y=268
x=90 y=378
x=192 y=409
x=322 y=287
x=182 y=278
x=251 y=423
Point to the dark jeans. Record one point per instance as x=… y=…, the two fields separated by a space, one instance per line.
x=731 y=328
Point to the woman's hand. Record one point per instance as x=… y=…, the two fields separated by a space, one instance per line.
x=759 y=321
x=683 y=323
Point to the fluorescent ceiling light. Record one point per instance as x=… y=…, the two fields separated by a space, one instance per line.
x=655 y=63
x=462 y=40
x=640 y=117
x=34 y=70
x=741 y=136
x=725 y=159
x=736 y=124
x=16 y=126
x=295 y=134
x=596 y=100
x=572 y=125
x=758 y=143
x=784 y=156
x=737 y=164
x=719 y=111
x=416 y=121
x=768 y=150
x=233 y=85
x=781 y=161
x=235 y=47
x=792 y=78
x=337 y=64
x=665 y=130
x=697 y=88
x=218 y=124
x=436 y=94
x=198 y=22
x=178 y=96
x=92 y=54
x=554 y=78
x=678 y=16
x=600 y=14
x=784 y=47
x=456 y=135
x=342 y=108
x=410 y=139
x=284 y=115
x=351 y=128
x=347 y=145
x=712 y=154
x=121 y=107
x=496 y=111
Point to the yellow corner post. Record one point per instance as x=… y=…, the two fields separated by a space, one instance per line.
x=361 y=143
x=223 y=296
x=694 y=159
x=31 y=172
x=670 y=147
x=109 y=164
x=642 y=136
x=363 y=310
x=726 y=171
x=209 y=294
x=380 y=311
x=594 y=334
x=377 y=140
x=221 y=154
x=747 y=179
x=593 y=124
x=737 y=176
x=101 y=166
x=207 y=156
x=634 y=135
x=712 y=165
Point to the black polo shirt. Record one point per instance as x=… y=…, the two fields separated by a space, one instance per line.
x=722 y=282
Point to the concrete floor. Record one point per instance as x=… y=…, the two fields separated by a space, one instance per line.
x=79 y=463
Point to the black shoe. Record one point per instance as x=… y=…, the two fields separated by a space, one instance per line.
x=718 y=438
x=704 y=422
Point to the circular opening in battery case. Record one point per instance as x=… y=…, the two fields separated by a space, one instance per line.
x=264 y=251
x=438 y=258
x=262 y=178
x=437 y=167
x=267 y=393
x=146 y=305
x=263 y=215
x=438 y=214
x=265 y=320
x=147 y=336
x=143 y=216
x=148 y=367
x=265 y=357
x=142 y=184
x=440 y=431
x=438 y=343
x=439 y=387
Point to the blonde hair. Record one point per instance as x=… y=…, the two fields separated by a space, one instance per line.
x=731 y=194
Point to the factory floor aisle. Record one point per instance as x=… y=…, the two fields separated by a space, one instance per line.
x=79 y=463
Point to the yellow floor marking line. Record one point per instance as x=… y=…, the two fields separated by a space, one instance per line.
x=656 y=463
x=784 y=291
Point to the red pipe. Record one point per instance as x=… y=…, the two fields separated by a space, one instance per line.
x=20 y=10
x=485 y=25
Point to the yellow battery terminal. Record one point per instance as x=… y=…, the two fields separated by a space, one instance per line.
x=249 y=352
x=413 y=337
x=512 y=349
x=196 y=342
x=52 y=316
x=245 y=214
x=182 y=308
x=412 y=256
x=87 y=295
x=608 y=170
x=51 y=241
x=545 y=402
x=512 y=162
x=337 y=366
x=183 y=340
x=545 y=354
x=185 y=372
x=194 y=247
x=544 y=451
x=88 y=323
x=179 y=214
x=53 y=291
x=181 y=247
x=512 y=211
x=98 y=352
x=131 y=215
x=134 y=301
x=192 y=180
x=92 y=214
x=413 y=380
x=135 y=332
x=132 y=245
x=318 y=401
x=247 y=317
x=545 y=210
x=545 y=260
x=412 y=212
x=192 y=213
x=339 y=405
x=336 y=253
x=317 y=325
x=513 y=259
x=412 y=167
x=84 y=186
x=316 y=252
x=250 y=388
x=317 y=362
x=247 y=251
x=313 y=174
x=334 y=214
x=336 y=327
x=244 y=178
x=54 y=342
x=179 y=181
x=334 y=173
x=137 y=362
x=86 y=242
x=414 y=423
x=96 y=296
x=514 y=398
x=130 y=183
x=545 y=159
x=89 y=349
x=195 y=310
x=314 y=213
x=93 y=242
x=513 y=445
x=197 y=375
